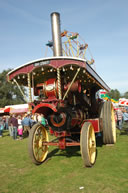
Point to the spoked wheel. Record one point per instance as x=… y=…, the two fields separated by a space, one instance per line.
x=109 y=124
x=37 y=150
x=88 y=144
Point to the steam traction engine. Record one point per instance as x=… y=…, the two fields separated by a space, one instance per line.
x=66 y=90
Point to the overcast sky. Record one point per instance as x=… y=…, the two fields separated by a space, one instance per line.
x=25 y=28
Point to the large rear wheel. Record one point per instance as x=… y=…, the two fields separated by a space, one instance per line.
x=37 y=150
x=88 y=144
x=109 y=124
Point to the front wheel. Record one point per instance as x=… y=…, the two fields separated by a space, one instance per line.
x=37 y=150
x=88 y=144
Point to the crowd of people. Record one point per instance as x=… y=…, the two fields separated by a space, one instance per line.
x=122 y=118
x=19 y=125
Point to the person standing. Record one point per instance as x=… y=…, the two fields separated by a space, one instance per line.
x=125 y=116
x=39 y=117
x=125 y=119
x=26 y=123
x=43 y=120
x=10 y=126
x=20 y=128
x=14 y=123
x=1 y=127
x=35 y=117
x=119 y=118
x=6 y=122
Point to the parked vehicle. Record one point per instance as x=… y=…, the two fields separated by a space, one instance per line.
x=66 y=88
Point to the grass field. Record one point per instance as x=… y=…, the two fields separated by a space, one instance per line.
x=64 y=171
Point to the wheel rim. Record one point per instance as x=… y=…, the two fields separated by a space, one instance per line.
x=113 y=125
x=40 y=151
x=91 y=145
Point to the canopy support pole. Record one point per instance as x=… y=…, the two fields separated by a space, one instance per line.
x=59 y=83
x=29 y=88
x=20 y=90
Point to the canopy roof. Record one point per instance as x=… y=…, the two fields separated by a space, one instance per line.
x=44 y=68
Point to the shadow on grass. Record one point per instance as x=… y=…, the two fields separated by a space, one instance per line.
x=124 y=132
x=99 y=141
x=72 y=151
x=25 y=134
x=68 y=152
x=5 y=133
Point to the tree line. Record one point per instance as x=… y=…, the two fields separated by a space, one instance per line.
x=115 y=94
x=10 y=95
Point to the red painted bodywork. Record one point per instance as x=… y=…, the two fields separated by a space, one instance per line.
x=62 y=143
x=55 y=63
x=50 y=103
x=76 y=86
x=96 y=124
x=51 y=88
x=44 y=108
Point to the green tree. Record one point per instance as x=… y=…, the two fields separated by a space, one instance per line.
x=9 y=93
x=125 y=95
x=115 y=94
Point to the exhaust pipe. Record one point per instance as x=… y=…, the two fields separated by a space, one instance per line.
x=56 y=34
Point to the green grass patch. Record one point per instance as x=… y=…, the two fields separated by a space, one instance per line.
x=64 y=171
